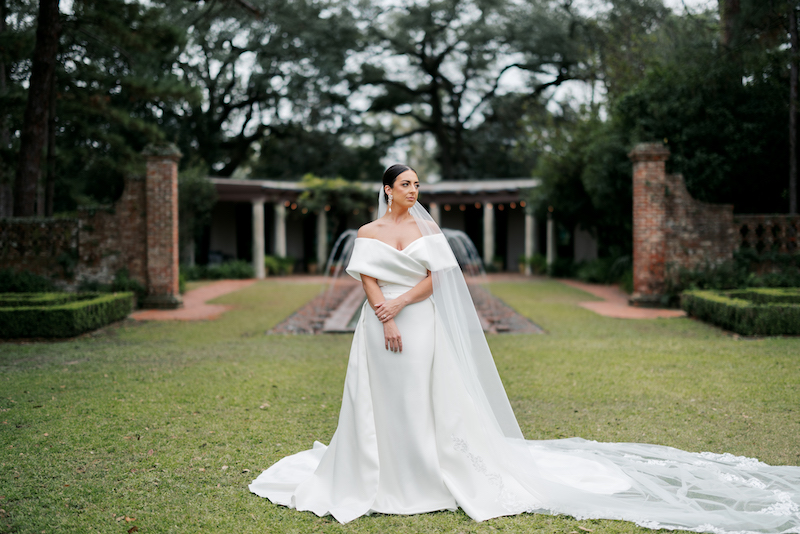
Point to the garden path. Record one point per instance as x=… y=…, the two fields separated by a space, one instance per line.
x=615 y=303
x=195 y=307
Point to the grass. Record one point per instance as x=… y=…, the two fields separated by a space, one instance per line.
x=162 y=425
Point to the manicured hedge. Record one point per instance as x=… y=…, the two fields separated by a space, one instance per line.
x=60 y=314
x=750 y=312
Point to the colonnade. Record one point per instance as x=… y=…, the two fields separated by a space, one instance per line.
x=280 y=214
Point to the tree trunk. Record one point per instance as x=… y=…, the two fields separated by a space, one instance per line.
x=6 y=194
x=793 y=112
x=50 y=184
x=33 y=135
x=728 y=13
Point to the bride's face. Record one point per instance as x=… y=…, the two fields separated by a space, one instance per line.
x=405 y=189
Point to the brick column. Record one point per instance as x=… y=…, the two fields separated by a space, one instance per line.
x=649 y=222
x=162 y=226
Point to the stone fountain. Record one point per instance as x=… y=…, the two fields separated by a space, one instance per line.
x=338 y=308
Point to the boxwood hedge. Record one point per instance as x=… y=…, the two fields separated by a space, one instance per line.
x=750 y=312
x=60 y=314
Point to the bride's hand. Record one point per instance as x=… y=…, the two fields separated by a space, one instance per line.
x=388 y=310
x=391 y=335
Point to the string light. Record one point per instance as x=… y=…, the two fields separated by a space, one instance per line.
x=462 y=207
x=521 y=203
x=477 y=205
x=447 y=207
x=513 y=205
x=294 y=206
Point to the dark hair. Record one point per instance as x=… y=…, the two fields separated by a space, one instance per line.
x=391 y=174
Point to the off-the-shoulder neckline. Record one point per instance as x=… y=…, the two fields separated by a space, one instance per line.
x=390 y=246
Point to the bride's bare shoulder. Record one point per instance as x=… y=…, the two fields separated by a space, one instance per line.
x=369 y=230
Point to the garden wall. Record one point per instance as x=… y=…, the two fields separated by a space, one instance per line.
x=673 y=231
x=138 y=233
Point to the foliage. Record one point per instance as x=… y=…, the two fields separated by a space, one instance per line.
x=722 y=111
x=122 y=282
x=734 y=311
x=603 y=270
x=230 y=270
x=196 y=199
x=748 y=269
x=83 y=312
x=538 y=263
x=438 y=68
x=258 y=76
x=339 y=198
x=586 y=180
x=13 y=281
x=276 y=265
x=293 y=150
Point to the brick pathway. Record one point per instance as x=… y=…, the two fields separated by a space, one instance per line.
x=194 y=303
x=195 y=307
x=615 y=303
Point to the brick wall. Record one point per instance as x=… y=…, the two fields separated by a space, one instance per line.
x=673 y=231
x=138 y=233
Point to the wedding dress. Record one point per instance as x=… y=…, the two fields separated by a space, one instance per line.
x=427 y=429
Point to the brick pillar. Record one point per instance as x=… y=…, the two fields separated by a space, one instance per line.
x=649 y=222
x=162 y=226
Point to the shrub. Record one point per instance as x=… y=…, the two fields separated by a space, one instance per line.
x=276 y=265
x=12 y=281
x=752 y=312
x=748 y=269
x=122 y=282
x=60 y=314
x=562 y=268
x=538 y=264
x=235 y=269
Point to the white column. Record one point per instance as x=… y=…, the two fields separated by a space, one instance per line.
x=436 y=213
x=530 y=239
x=322 y=240
x=488 y=233
x=551 y=240
x=280 y=230
x=258 y=237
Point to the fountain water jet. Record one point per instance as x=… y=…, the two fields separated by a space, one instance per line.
x=337 y=310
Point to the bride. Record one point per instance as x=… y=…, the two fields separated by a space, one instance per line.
x=426 y=425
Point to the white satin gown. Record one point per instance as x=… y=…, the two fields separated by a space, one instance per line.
x=411 y=440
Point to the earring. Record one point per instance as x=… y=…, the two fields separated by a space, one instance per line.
x=390 y=203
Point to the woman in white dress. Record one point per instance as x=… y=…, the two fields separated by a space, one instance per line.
x=426 y=425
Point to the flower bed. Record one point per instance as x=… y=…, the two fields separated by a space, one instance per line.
x=756 y=311
x=60 y=314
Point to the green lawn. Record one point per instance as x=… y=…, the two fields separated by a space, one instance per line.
x=162 y=425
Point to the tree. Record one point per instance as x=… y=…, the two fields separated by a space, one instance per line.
x=258 y=76
x=443 y=65
x=196 y=199
x=34 y=129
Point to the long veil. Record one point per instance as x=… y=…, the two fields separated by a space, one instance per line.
x=463 y=330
